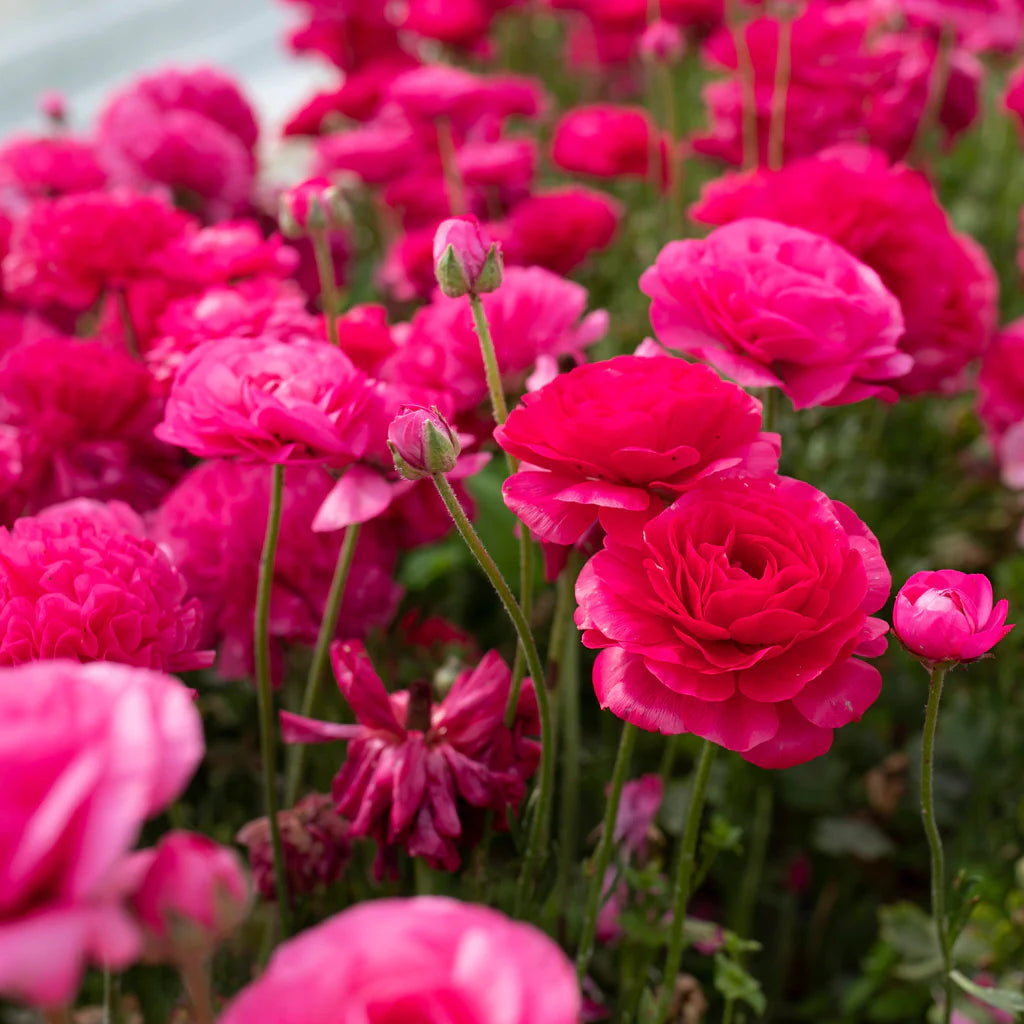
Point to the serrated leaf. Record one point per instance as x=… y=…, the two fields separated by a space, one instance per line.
x=737 y=985
x=999 y=998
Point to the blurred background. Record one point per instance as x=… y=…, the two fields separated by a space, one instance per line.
x=84 y=47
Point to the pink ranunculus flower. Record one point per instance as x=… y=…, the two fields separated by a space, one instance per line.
x=213 y=524
x=608 y=142
x=266 y=400
x=890 y=219
x=639 y=806
x=82 y=580
x=189 y=894
x=315 y=843
x=41 y=166
x=428 y=958
x=771 y=305
x=742 y=614
x=1001 y=401
x=190 y=132
x=948 y=616
x=626 y=436
x=534 y=315
x=110 y=747
x=415 y=769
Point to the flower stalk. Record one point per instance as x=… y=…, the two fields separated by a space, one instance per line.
x=264 y=689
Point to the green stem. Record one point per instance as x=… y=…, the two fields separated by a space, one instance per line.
x=453 y=183
x=321 y=656
x=112 y=1010
x=539 y=827
x=668 y=759
x=483 y=332
x=931 y=830
x=604 y=850
x=131 y=340
x=769 y=408
x=59 y=1015
x=780 y=87
x=745 y=70
x=750 y=886
x=526 y=604
x=566 y=669
x=197 y=984
x=684 y=873
x=937 y=86
x=727 y=1013
x=264 y=689
x=667 y=87
x=329 y=291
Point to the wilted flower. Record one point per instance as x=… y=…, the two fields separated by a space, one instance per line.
x=110 y=747
x=189 y=894
x=314 y=840
x=414 y=959
x=414 y=768
x=948 y=616
x=81 y=580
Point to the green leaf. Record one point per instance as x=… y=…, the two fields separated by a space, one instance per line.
x=1000 y=998
x=737 y=985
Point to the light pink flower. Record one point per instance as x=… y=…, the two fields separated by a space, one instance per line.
x=191 y=132
x=533 y=315
x=740 y=614
x=416 y=769
x=268 y=401
x=81 y=580
x=948 y=616
x=111 y=746
x=891 y=220
x=626 y=436
x=189 y=894
x=214 y=522
x=314 y=841
x=771 y=305
x=426 y=958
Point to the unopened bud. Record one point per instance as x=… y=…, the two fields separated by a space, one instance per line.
x=465 y=262
x=423 y=443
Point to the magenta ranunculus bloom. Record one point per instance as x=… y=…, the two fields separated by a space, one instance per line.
x=213 y=524
x=626 y=435
x=314 y=840
x=110 y=747
x=190 y=132
x=81 y=580
x=608 y=141
x=415 y=770
x=1001 y=401
x=534 y=315
x=428 y=958
x=266 y=400
x=189 y=894
x=740 y=614
x=890 y=219
x=771 y=305
x=41 y=166
x=948 y=616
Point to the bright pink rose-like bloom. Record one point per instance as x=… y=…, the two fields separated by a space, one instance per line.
x=607 y=142
x=268 y=401
x=214 y=522
x=415 y=770
x=428 y=958
x=189 y=895
x=81 y=414
x=979 y=25
x=1001 y=401
x=771 y=305
x=740 y=614
x=627 y=435
x=948 y=616
x=558 y=229
x=1013 y=99
x=891 y=220
x=315 y=843
x=67 y=251
x=534 y=315
x=81 y=580
x=191 y=132
x=47 y=166
x=110 y=747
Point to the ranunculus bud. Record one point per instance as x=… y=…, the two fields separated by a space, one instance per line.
x=191 y=894
x=946 y=617
x=465 y=262
x=313 y=205
x=662 y=41
x=422 y=442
